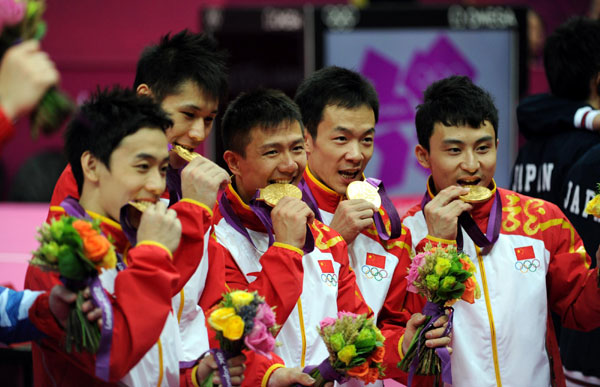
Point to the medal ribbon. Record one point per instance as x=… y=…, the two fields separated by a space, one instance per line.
x=466 y=221
x=390 y=210
x=73 y=208
x=263 y=213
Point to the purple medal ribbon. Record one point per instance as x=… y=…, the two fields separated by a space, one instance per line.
x=73 y=208
x=174 y=185
x=328 y=373
x=386 y=203
x=435 y=311
x=390 y=209
x=263 y=212
x=309 y=199
x=466 y=221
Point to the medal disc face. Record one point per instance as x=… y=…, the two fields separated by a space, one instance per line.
x=184 y=153
x=273 y=193
x=364 y=190
x=476 y=194
x=140 y=206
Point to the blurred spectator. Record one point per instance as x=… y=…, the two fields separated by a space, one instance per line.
x=36 y=178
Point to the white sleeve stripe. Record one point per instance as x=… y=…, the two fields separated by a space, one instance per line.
x=4 y=320
x=589 y=119
x=28 y=299
x=580 y=114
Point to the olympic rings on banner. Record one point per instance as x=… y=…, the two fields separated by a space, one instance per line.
x=374 y=272
x=530 y=265
x=329 y=279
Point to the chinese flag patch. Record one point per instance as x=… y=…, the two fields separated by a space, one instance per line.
x=376 y=260
x=524 y=253
x=326 y=266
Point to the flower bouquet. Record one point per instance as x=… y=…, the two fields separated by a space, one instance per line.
x=355 y=348
x=242 y=320
x=593 y=206
x=19 y=21
x=77 y=250
x=443 y=276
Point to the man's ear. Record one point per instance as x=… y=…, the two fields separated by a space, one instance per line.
x=143 y=89
x=233 y=161
x=310 y=143
x=422 y=156
x=89 y=166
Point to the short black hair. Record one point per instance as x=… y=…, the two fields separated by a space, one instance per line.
x=104 y=120
x=264 y=108
x=454 y=101
x=572 y=58
x=183 y=57
x=335 y=86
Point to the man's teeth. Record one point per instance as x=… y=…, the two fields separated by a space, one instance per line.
x=348 y=175
x=281 y=181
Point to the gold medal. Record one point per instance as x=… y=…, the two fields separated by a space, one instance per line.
x=184 y=153
x=476 y=194
x=273 y=193
x=140 y=206
x=364 y=190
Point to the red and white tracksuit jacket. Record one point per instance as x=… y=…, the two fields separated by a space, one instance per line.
x=381 y=268
x=141 y=296
x=304 y=288
x=202 y=280
x=537 y=264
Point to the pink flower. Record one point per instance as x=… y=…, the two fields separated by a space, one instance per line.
x=260 y=340
x=413 y=274
x=327 y=321
x=419 y=260
x=265 y=315
x=344 y=313
x=11 y=13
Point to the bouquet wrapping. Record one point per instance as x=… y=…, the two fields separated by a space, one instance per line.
x=355 y=348
x=443 y=276
x=77 y=250
x=242 y=320
x=19 y=21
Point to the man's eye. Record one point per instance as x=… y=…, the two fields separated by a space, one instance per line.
x=143 y=167
x=270 y=153
x=368 y=140
x=188 y=114
x=483 y=148
x=340 y=138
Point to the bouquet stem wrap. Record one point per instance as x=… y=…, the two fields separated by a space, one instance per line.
x=433 y=312
x=324 y=373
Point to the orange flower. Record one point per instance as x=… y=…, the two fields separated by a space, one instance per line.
x=372 y=376
x=84 y=228
x=95 y=247
x=377 y=355
x=469 y=294
x=359 y=371
x=465 y=264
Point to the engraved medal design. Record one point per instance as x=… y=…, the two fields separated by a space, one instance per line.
x=273 y=193
x=184 y=153
x=476 y=194
x=364 y=190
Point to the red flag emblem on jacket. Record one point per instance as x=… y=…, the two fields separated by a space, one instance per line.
x=376 y=260
x=326 y=266
x=524 y=253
